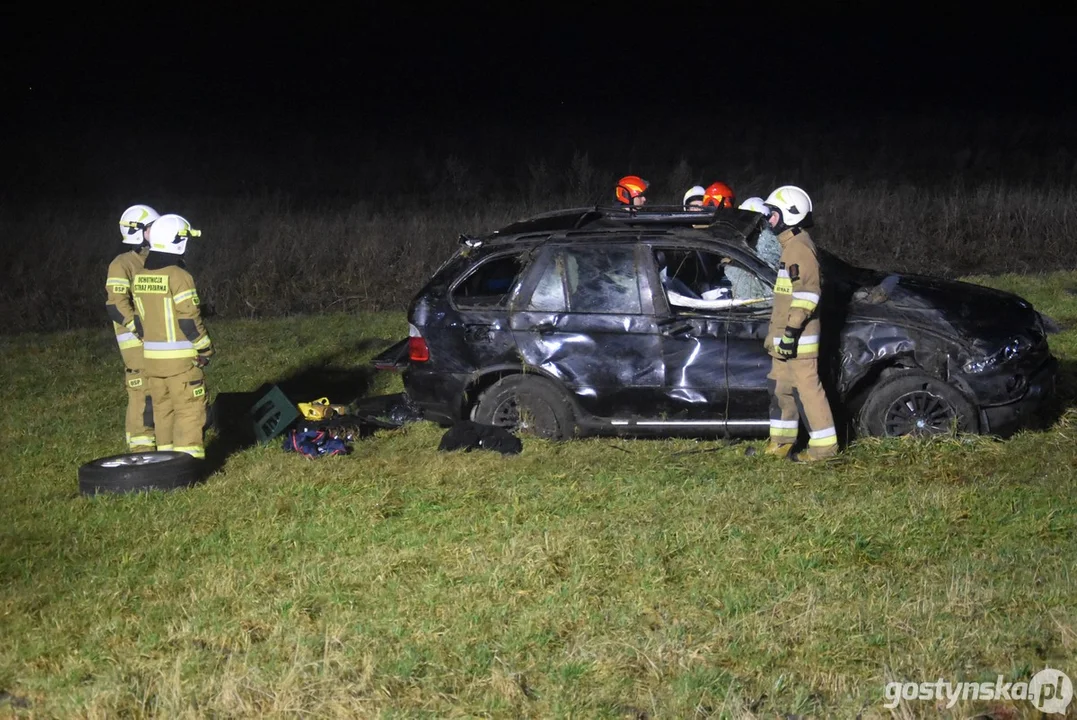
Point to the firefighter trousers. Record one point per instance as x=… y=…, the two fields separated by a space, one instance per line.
x=179 y=411
x=138 y=422
x=796 y=393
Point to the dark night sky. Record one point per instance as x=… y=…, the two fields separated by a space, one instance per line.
x=81 y=81
x=380 y=64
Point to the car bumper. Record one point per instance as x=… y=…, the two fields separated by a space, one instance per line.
x=438 y=395
x=1004 y=420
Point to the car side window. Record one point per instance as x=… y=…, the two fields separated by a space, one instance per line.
x=602 y=280
x=549 y=293
x=698 y=281
x=745 y=284
x=490 y=283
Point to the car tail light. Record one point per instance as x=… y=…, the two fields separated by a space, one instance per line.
x=417 y=349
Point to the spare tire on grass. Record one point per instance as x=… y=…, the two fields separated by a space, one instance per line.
x=140 y=472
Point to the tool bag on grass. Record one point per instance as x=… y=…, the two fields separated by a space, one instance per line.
x=314 y=443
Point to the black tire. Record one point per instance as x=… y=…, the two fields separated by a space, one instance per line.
x=139 y=472
x=912 y=403
x=546 y=411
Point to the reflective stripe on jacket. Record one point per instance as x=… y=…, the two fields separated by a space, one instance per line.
x=796 y=294
x=166 y=302
x=120 y=306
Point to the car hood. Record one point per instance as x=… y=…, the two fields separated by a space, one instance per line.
x=975 y=314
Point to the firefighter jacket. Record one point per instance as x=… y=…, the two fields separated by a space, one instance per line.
x=796 y=294
x=119 y=305
x=170 y=322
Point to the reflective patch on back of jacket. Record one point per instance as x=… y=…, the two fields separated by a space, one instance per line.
x=151 y=284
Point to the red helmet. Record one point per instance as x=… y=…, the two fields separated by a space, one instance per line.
x=719 y=194
x=630 y=187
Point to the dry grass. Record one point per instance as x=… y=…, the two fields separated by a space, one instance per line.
x=261 y=257
x=598 y=578
x=355 y=218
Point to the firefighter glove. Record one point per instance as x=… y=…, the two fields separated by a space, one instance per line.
x=201 y=361
x=787 y=346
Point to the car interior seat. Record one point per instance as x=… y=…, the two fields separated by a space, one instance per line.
x=669 y=282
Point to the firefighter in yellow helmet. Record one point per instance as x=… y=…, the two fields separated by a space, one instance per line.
x=121 y=273
x=175 y=344
x=793 y=337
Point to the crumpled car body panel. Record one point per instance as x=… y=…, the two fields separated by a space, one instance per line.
x=654 y=371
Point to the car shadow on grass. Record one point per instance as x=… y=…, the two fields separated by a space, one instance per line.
x=335 y=376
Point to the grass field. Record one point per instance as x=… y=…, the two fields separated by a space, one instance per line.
x=605 y=578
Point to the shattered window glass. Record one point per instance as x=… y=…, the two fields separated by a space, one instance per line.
x=491 y=283
x=602 y=280
x=549 y=295
x=746 y=284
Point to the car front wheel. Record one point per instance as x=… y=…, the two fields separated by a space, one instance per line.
x=527 y=404
x=912 y=403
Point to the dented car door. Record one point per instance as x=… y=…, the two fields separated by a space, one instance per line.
x=582 y=320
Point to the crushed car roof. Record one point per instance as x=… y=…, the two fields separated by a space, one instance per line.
x=599 y=218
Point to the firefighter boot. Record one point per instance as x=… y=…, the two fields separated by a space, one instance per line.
x=778 y=449
x=812 y=455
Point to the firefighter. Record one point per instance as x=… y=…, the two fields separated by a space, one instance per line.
x=138 y=424
x=631 y=190
x=718 y=194
x=793 y=336
x=175 y=344
x=693 y=198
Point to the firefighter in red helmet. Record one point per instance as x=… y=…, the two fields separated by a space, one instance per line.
x=719 y=194
x=631 y=190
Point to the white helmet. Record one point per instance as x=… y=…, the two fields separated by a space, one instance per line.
x=170 y=233
x=794 y=204
x=133 y=221
x=755 y=204
x=696 y=192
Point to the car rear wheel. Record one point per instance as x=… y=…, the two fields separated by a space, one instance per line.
x=527 y=404
x=913 y=403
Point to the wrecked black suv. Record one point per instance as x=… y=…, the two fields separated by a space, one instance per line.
x=652 y=322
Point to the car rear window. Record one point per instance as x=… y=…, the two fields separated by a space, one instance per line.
x=490 y=283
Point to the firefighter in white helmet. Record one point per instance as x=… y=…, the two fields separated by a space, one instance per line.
x=175 y=344
x=134 y=224
x=793 y=336
x=693 y=198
